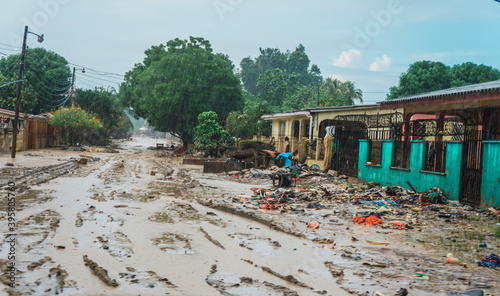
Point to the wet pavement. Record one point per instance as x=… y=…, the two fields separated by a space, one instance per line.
x=112 y=228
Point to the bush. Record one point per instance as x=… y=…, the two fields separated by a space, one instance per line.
x=77 y=124
x=255 y=144
x=212 y=138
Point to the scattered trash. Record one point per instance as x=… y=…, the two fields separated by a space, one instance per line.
x=313 y=225
x=490 y=261
x=377 y=243
x=483 y=245
x=420 y=276
x=275 y=244
x=371 y=220
x=399 y=224
x=83 y=160
x=79 y=222
x=455 y=261
x=324 y=240
x=468 y=293
x=374 y=265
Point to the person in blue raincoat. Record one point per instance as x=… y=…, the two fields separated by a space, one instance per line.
x=286 y=159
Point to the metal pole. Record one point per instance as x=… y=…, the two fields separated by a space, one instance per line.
x=72 y=86
x=318 y=95
x=18 y=101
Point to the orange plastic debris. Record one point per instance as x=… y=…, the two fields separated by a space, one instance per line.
x=372 y=220
x=314 y=225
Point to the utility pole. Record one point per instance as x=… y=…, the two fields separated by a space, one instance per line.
x=72 y=86
x=318 y=95
x=19 y=85
x=18 y=100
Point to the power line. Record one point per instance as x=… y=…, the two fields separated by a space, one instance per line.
x=9 y=83
x=18 y=47
x=104 y=79
x=94 y=80
x=97 y=71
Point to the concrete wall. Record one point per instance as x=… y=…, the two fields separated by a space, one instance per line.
x=490 y=185
x=448 y=182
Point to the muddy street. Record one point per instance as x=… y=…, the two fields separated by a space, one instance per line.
x=139 y=222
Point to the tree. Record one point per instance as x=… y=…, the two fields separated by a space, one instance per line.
x=211 y=137
x=470 y=73
x=274 y=86
x=76 y=122
x=294 y=65
x=427 y=76
x=47 y=81
x=423 y=76
x=177 y=82
x=351 y=93
x=248 y=122
x=107 y=106
x=332 y=92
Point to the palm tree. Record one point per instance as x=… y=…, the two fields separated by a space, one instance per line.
x=332 y=87
x=351 y=93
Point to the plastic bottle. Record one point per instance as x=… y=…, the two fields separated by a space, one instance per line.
x=455 y=261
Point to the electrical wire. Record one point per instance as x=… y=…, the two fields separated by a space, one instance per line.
x=4 y=44
x=92 y=80
x=95 y=77
x=96 y=71
x=6 y=74
x=9 y=83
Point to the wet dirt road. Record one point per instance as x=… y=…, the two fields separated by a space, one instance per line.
x=112 y=228
x=152 y=238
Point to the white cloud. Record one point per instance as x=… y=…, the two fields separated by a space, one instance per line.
x=381 y=64
x=347 y=58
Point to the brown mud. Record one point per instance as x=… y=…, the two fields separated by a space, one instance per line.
x=152 y=221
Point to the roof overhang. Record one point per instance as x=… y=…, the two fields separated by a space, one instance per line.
x=308 y=112
x=344 y=108
x=302 y=113
x=488 y=91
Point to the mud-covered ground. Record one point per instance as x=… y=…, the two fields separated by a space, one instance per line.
x=138 y=222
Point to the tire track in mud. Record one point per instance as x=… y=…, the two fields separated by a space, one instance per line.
x=251 y=216
x=37 y=176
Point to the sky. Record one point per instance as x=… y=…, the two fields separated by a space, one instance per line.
x=370 y=42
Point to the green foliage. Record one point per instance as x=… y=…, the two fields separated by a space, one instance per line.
x=107 y=106
x=248 y=122
x=77 y=124
x=177 y=82
x=470 y=73
x=255 y=144
x=427 y=76
x=331 y=93
x=123 y=127
x=211 y=137
x=47 y=79
x=75 y=117
x=276 y=85
x=290 y=70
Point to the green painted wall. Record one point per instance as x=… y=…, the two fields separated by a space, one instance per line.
x=448 y=182
x=490 y=185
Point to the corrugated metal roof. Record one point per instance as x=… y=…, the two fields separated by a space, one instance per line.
x=298 y=113
x=317 y=110
x=480 y=87
x=341 y=108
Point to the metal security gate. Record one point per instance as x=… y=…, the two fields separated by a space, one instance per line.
x=349 y=129
x=472 y=167
x=348 y=149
